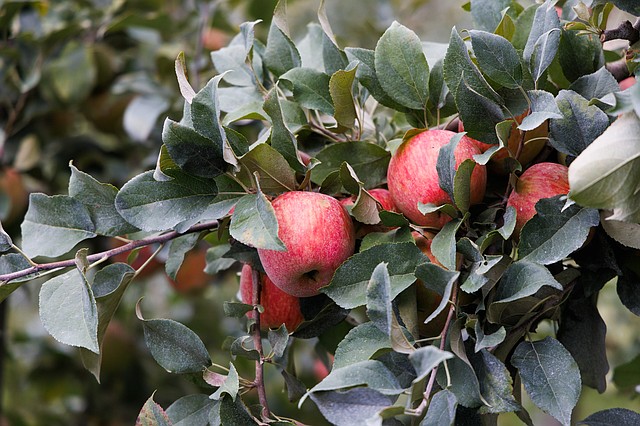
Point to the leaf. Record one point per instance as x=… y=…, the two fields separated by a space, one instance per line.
x=523 y=279
x=442 y=409
x=216 y=260
x=183 y=83
x=281 y=138
x=233 y=413
x=402 y=68
x=480 y=114
x=309 y=46
x=109 y=286
x=6 y=243
x=443 y=245
x=372 y=373
x=425 y=359
x=340 y=88
x=543 y=107
x=351 y=407
x=486 y=13
x=99 y=199
x=254 y=223
x=596 y=85
x=10 y=263
x=60 y=74
x=398 y=235
x=554 y=233
x=367 y=160
x=579 y=54
x=153 y=205
x=230 y=386
x=174 y=346
x=178 y=248
x=497 y=58
x=192 y=410
x=280 y=54
x=439 y=280
x=310 y=89
x=627 y=375
x=278 y=339
x=550 y=376
x=152 y=414
x=348 y=285
x=141 y=115
x=484 y=341
x=379 y=308
x=276 y=175
x=231 y=61
x=446 y=164
x=627 y=289
x=68 y=310
x=360 y=344
x=53 y=225
x=544 y=51
x=365 y=207
x=495 y=383
x=545 y=20
x=626 y=233
x=613 y=416
x=463 y=384
x=606 y=175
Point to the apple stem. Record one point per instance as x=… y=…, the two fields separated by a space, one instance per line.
x=257 y=341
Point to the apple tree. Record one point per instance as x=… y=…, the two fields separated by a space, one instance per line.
x=427 y=207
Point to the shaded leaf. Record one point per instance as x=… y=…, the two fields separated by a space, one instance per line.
x=340 y=88
x=497 y=58
x=178 y=248
x=191 y=410
x=360 y=344
x=439 y=280
x=579 y=54
x=595 y=85
x=367 y=160
x=10 y=263
x=486 y=13
x=351 y=407
x=275 y=173
x=254 y=223
x=152 y=414
x=442 y=409
x=613 y=416
x=281 y=138
x=233 y=412
x=372 y=373
x=281 y=54
x=543 y=107
x=495 y=383
x=310 y=88
x=379 y=308
x=443 y=245
x=545 y=20
x=425 y=359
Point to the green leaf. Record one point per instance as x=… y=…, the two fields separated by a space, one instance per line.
x=236 y=309
x=340 y=88
x=281 y=138
x=554 y=233
x=462 y=185
x=6 y=243
x=216 y=262
x=352 y=406
x=464 y=383
x=544 y=51
x=254 y=223
x=379 y=309
x=280 y=54
x=68 y=310
x=178 y=248
x=61 y=75
x=349 y=283
x=310 y=89
x=334 y=58
x=522 y=279
x=230 y=386
x=486 y=13
x=374 y=374
x=550 y=376
x=175 y=347
x=278 y=339
x=596 y=85
x=205 y=114
x=495 y=383
x=309 y=46
x=443 y=245
x=613 y=416
x=192 y=409
x=439 y=280
x=579 y=126
x=446 y=164
x=366 y=75
x=99 y=199
x=627 y=291
x=9 y=263
x=484 y=341
x=545 y=20
x=606 y=174
x=367 y=160
x=480 y=114
x=627 y=375
x=442 y=409
x=108 y=288
x=427 y=358
x=231 y=61
x=579 y=54
x=543 y=107
x=152 y=205
x=152 y=414
x=276 y=175
x=402 y=68
x=398 y=235
x=497 y=58
x=365 y=207
x=361 y=343
x=53 y=225
x=233 y=413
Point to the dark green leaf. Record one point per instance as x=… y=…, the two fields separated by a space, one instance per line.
x=152 y=205
x=351 y=407
x=275 y=173
x=596 y=85
x=191 y=410
x=442 y=409
x=360 y=344
x=486 y=13
x=613 y=416
x=281 y=138
x=545 y=20
x=281 y=54
x=236 y=309
x=278 y=339
x=402 y=68
x=178 y=248
x=340 y=88
x=495 y=383
x=68 y=310
x=484 y=341
x=216 y=261
x=205 y=114
x=365 y=207
x=233 y=413
x=372 y=373
x=54 y=225
x=254 y=223
x=443 y=245
x=544 y=51
x=399 y=235
x=554 y=233
x=439 y=280
x=627 y=375
x=579 y=54
x=9 y=263
x=349 y=283
x=464 y=383
x=379 y=309
x=99 y=199
x=152 y=414
x=446 y=164
x=497 y=58
x=425 y=359
x=462 y=185
x=550 y=376
x=543 y=107
x=367 y=160
x=175 y=347
x=480 y=114
x=310 y=89
x=627 y=289
x=580 y=125
x=523 y=279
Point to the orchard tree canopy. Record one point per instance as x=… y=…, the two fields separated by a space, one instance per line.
x=465 y=196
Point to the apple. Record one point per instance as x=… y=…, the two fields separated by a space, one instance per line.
x=381 y=195
x=627 y=82
x=318 y=234
x=279 y=307
x=542 y=180
x=412 y=177
x=14 y=198
x=191 y=276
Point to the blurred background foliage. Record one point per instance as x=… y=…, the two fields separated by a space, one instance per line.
x=91 y=81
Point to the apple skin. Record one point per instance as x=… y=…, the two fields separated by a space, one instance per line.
x=627 y=82
x=412 y=177
x=279 y=307
x=381 y=195
x=542 y=180
x=318 y=234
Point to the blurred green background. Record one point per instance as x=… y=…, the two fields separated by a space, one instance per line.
x=92 y=81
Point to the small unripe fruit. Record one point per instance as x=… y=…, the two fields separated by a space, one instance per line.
x=412 y=176
x=279 y=307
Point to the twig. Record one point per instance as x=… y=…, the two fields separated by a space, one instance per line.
x=163 y=238
x=624 y=31
x=257 y=341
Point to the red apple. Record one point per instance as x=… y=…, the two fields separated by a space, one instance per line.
x=627 y=82
x=191 y=277
x=412 y=177
x=542 y=180
x=279 y=307
x=381 y=195
x=318 y=234
x=15 y=196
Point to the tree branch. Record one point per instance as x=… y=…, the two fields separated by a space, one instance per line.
x=625 y=31
x=257 y=341
x=163 y=238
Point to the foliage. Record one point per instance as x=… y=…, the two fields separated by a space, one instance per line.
x=315 y=116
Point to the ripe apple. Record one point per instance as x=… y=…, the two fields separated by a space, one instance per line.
x=279 y=307
x=542 y=180
x=13 y=196
x=318 y=234
x=381 y=195
x=191 y=276
x=412 y=177
x=627 y=82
